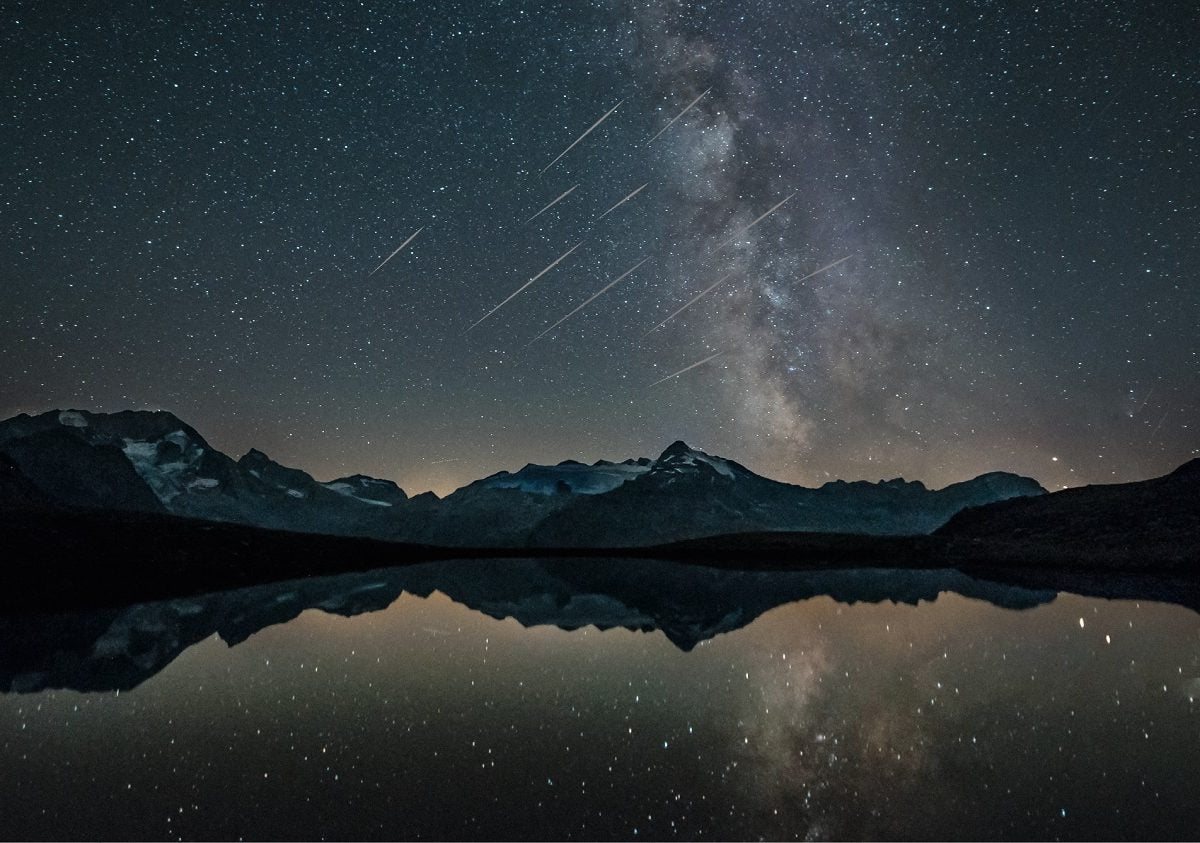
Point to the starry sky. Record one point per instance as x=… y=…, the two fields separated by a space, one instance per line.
x=198 y=199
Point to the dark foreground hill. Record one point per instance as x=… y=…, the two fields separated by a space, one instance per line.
x=1148 y=524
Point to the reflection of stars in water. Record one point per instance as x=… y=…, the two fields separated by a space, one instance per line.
x=818 y=719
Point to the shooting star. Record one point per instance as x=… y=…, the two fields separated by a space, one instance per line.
x=827 y=266
x=393 y=254
x=581 y=137
x=685 y=369
x=772 y=210
x=622 y=202
x=1157 y=427
x=551 y=205
x=521 y=289
x=1146 y=400
x=677 y=116
x=603 y=290
x=689 y=304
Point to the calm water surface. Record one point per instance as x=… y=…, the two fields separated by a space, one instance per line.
x=728 y=711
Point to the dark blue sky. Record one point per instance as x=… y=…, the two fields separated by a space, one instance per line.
x=194 y=200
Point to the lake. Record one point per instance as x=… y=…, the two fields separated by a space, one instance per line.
x=606 y=699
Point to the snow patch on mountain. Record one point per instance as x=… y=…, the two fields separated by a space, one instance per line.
x=349 y=491
x=168 y=471
x=678 y=458
x=363 y=489
x=695 y=458
x=579 y=478
x=72 y=418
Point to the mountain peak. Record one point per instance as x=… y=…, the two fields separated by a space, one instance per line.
x=681 y=459
x=678 y=448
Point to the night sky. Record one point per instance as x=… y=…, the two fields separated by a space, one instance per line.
x=194 y=199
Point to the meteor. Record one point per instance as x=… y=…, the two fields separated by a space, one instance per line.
x=827 y=266
x=689 y=304
x=677 y=116
x=393 y=254
x=622 y=202
x=773 y=209
x=1154 y=432
x=685 y=369
x=603 y=290
x=581 y=137
x=1146 y=400
x=551 y=205
x=521 y=289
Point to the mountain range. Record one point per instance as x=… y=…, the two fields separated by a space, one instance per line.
x=152 y=462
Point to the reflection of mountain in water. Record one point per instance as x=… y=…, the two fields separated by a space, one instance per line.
x=120 y=648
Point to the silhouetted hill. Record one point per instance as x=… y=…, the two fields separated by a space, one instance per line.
x=1151 y=523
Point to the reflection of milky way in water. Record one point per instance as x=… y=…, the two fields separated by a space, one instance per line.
x=817 y=720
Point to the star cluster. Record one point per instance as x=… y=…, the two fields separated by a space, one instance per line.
x=196 y=197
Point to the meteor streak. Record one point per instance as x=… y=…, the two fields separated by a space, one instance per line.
x=1154 y=432
x=551 y=205
x=393 y=254
x=581 y=137
x=686 y=306
x=773 y=209
x=685 y=369
x=1146 y=400
x=622 y=202
x=603 y=290
x=827 y=266
x=521 y=289
x=677 y=116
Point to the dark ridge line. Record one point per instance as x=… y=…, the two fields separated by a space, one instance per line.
x=66 y=559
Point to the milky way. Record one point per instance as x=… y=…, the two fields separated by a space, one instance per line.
x=196 y=199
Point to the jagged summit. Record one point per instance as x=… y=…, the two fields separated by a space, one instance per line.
x=151 y=461
x=680 y=459
x=143 y=425
x=678 y=448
